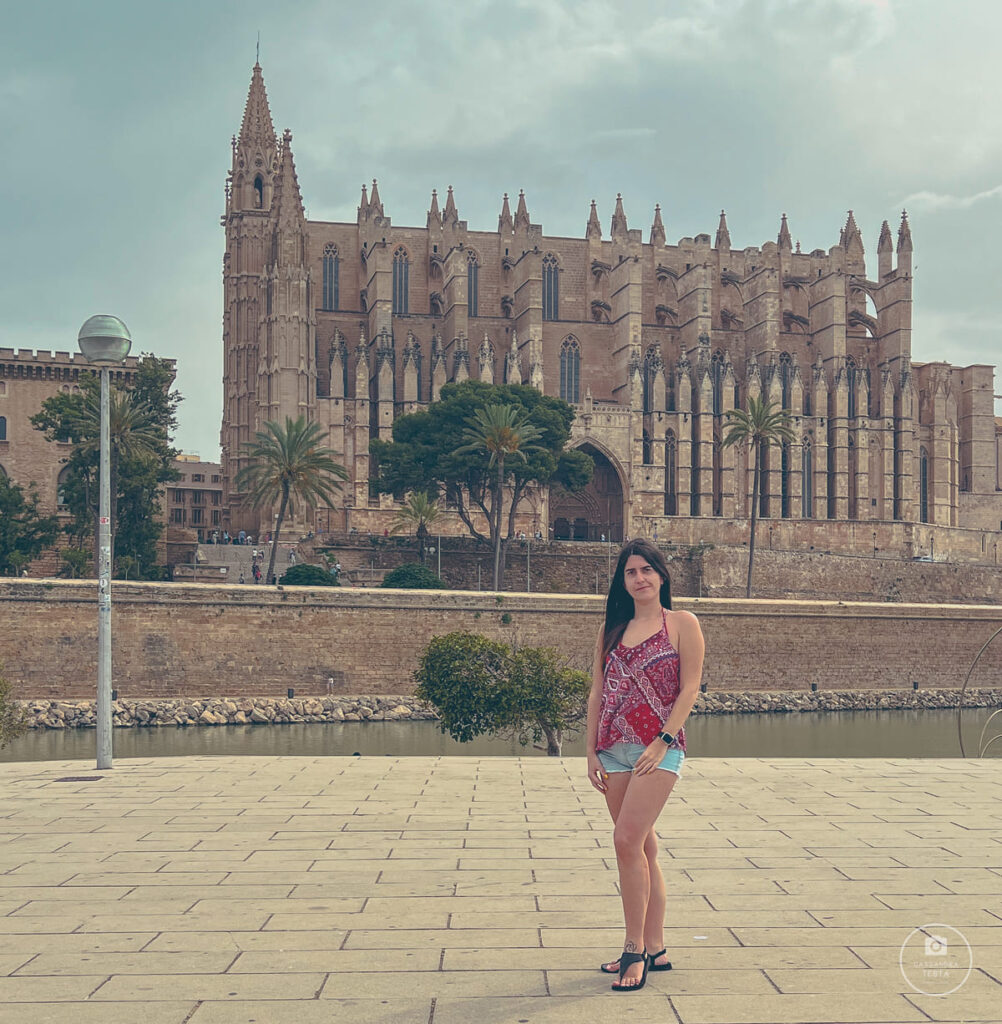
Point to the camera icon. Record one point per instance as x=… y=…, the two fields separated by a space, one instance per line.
x=936 y=945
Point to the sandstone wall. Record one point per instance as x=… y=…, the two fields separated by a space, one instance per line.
x=189 y=640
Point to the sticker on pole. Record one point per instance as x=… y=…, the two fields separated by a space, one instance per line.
x=935 y=959
x=104 y=520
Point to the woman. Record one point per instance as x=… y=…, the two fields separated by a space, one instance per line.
x=648 y=663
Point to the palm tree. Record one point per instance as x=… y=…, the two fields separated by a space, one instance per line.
x=135 y=434
x=420 y=511
x=289 y=465
x=761 y=426
x=502 y=432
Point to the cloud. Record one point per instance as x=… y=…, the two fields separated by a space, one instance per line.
x=934 y=201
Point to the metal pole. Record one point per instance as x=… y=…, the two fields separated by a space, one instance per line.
x=528 y=566
x=439 y=556
x=104 y=740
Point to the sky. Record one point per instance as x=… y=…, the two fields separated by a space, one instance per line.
x=116 y=118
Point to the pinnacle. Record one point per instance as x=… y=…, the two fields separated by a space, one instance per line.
x=257 y=125
x=723 y=239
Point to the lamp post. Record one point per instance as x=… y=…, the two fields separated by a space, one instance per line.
x=104 y=340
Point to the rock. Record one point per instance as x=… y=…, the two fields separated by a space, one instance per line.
x=258 y=716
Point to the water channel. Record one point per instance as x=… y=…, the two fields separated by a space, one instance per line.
x=906 y=733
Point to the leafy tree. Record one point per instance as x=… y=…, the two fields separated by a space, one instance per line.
x=288 y=465
x=480 y=686
x=13 y=722
x=423 y=454
x=499 y=432
x=24 y=532
x=761 y=426
x=411 y=576
x=419 y=512
x=75 y=561
x=142 y=419
x=306 y=575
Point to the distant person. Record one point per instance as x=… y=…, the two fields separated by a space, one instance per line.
x=645 y=681
x=242 y=580
x=243 y=537
x=292 y=556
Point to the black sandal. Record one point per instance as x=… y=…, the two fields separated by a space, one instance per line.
x=651 y=965
x=626 y=961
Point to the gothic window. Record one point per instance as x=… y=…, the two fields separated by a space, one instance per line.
x=717 y=381
x=3 y=428
x=695 y=448
x=763 y=482
x=923 y=485
x=671 y=474
x=330 y=299
x=807 y=401
x=853 y=477
x=852 y=374
x=401 y=281
x=786 y=378
x=551 y=288
x=718 y=477
x=784 y=480
x=651 y=360
x=472 y=284
x=64 y=475
x=258 y=193
x=648 y=453
x=807 y=476
x=570 y=370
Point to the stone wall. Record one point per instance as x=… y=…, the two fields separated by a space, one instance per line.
x=192 y=640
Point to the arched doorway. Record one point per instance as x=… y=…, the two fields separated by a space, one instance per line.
x=596 y=511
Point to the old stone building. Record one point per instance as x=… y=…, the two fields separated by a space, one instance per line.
x=354 y=324
x=195 y=498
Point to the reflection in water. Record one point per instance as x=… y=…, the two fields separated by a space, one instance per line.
x=916 y=733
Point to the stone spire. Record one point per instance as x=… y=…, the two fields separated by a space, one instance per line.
x=657 y=228
x=363 y=206
x=512 y=363
x=851 y=237
x=904 y=234
x=434 y=217
x=375 y=206
x=723 y=240
x=885 y=244
x=521 y=213
x=451 y=216
x=504 y=218
x=288 y=198
x=257 y=125
x=783 y=239
x=594 y=228
x=619 y=227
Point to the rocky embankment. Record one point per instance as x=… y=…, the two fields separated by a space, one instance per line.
x=44 y=714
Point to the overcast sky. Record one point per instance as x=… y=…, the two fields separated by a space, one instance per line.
x=116 y=119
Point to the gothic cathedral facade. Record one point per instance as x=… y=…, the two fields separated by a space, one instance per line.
x=354 y=324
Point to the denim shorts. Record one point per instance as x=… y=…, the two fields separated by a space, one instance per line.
x=621 y=757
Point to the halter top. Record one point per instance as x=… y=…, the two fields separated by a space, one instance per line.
x=639 y=689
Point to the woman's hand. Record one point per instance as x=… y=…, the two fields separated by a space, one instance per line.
x=596 y=773
x=651 y=757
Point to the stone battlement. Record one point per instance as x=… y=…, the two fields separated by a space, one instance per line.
x=41 y=357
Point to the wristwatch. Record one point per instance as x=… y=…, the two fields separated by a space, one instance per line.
x=668 y=738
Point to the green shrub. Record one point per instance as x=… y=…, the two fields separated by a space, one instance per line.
x=12 y=719
x=480 y=686
x=306 y=575
x=412 y=576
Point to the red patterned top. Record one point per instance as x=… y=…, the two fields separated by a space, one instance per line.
x=639 y=690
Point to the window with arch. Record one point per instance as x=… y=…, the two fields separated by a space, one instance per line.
x=652 y=359
x=472 y=284
x=807 y=477
x=3 y=428
x=401 y=281
x=923 y=485
x=330 y=299
x=671 y=474
x=786 y=379
x=570 y=370
x=852 y=375
x=64 y=475
x=784 y=479
x=717 y=382
x=551 y=287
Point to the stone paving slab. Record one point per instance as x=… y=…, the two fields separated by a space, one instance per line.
x=444 y=890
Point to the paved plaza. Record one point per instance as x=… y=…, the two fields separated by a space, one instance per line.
x=454 y=890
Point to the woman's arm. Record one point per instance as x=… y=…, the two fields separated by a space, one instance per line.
x=690 y=653
x=595 y=772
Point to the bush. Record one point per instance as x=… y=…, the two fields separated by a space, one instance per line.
x=306 y=575
x=479 y=686
x=12 y=719
x=412 y=576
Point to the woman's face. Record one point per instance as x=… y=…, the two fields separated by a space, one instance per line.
x=641 y=579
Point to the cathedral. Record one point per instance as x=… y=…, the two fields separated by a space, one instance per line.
x=354 y=324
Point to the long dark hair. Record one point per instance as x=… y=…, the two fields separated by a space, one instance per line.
x=619 y=608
